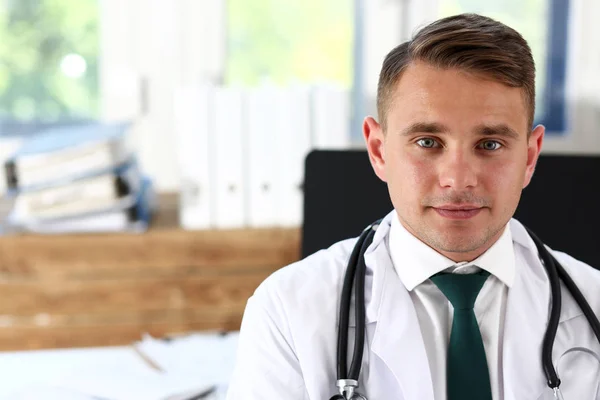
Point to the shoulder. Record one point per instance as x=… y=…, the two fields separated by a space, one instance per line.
x=585 y=276
x=573 y=266
x=303 y=297
x=311 y=278
x=587 y=280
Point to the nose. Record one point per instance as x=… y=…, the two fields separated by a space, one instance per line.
x=458 y=170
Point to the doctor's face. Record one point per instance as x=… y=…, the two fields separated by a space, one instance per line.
x=456 y=155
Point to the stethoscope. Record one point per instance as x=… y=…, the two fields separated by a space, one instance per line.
x=347 y=380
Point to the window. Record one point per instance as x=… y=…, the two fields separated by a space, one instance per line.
x=48 y=63
x=543 y=23
x=289 y=41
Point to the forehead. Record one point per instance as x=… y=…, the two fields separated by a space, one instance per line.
x=425 y=93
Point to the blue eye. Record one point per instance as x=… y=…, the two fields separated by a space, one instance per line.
x=427 y=143
x=490 y=145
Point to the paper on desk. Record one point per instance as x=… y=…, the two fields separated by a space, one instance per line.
x=128 y=377
x=23 y=371
x=47 y=393
x=210 y=356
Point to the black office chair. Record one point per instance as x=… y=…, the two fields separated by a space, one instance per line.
x=342 y=195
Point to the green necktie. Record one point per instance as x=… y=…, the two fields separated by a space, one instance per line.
x=467 y=375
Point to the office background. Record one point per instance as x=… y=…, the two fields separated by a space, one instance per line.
x=217 y=102
x=122 y=60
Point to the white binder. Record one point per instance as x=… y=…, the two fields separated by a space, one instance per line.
x=227 y=157
x=331 y=117
x=292 y=123
x=261 y=156
x=192 y=117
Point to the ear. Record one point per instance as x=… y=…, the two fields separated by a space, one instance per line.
x=375 y=140
x=534 y=147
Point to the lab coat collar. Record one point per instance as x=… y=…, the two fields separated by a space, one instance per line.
x=569 y=308
x=415 y=261
x=526 y=319
x=375 y=271
x=397 y=340
x=521 y=237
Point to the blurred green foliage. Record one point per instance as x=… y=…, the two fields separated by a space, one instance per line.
x=268 y=40
x=36 y=36
x=289 y=41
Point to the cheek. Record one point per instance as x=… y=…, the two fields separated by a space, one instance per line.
x=410 y=173
x=503 y=180
x=422 y=171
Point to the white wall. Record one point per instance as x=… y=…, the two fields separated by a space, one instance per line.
x=387 y=24
x=149 y=48
x=383 y=27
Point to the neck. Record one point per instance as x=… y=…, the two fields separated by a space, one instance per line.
x=460 y=256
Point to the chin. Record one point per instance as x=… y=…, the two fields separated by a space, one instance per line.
x=460 y=242
x=462 y=247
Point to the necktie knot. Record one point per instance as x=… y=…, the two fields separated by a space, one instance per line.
x=461 y=289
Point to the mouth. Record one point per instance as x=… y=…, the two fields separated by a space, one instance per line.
x=458 y=212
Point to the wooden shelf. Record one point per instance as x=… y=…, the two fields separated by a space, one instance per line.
x=109 y=289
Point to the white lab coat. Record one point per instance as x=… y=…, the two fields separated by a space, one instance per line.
x=288 y=340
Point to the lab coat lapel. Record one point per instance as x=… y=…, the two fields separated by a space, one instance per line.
x=527 y=313
x=397 y=340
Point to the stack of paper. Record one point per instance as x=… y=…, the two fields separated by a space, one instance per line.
x=77 y=179
x=198 y=367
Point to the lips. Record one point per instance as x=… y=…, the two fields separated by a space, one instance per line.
x=458 y=212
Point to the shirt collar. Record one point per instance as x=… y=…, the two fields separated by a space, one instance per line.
x=415 y=262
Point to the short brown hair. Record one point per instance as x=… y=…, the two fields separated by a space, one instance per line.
x=470 y=42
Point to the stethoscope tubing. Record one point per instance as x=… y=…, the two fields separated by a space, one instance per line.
x=355 y=278
x=555 y=308
x=580 y=299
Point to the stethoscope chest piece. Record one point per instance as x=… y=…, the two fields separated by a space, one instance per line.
x=557 y=394
x=347 y=388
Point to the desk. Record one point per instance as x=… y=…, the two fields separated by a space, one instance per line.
x=109 y=289
x=194 y=361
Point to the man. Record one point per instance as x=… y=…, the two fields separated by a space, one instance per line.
x=455 y=144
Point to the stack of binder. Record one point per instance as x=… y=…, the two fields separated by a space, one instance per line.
x=77 y=179
x=241 y=151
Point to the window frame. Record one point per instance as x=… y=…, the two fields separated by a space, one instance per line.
x=555 y=118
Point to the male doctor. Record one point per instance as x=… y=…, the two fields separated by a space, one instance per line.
x=455 y=144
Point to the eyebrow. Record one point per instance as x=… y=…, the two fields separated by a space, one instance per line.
x=424 y=127
x=497 y=130
x=482 y=130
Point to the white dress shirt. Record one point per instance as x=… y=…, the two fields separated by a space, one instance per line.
x=415 y=262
